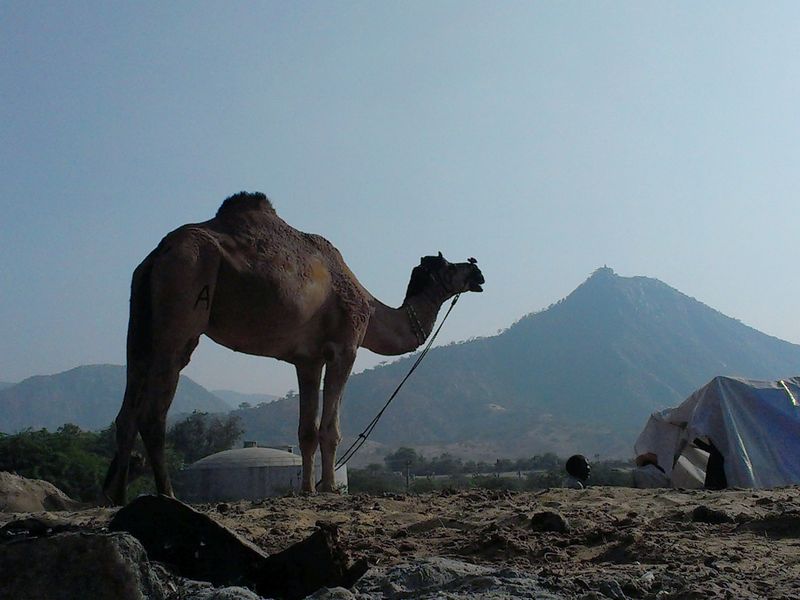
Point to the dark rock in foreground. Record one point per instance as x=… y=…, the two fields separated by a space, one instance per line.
x=190 y=543
x=195 y=546
x=435 y=577
x=76 y=565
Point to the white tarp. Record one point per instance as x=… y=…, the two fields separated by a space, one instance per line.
x=754 y=424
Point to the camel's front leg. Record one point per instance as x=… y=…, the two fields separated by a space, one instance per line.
x=308 y=377
x=337 y=370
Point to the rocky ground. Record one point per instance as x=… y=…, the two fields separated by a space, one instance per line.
x=597 y=543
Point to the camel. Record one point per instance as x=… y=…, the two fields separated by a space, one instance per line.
x=251 y=282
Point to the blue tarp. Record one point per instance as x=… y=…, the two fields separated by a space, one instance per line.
x=754 y=424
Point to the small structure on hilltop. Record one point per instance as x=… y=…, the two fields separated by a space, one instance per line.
x=248 y=473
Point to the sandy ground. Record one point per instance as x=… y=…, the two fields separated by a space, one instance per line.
x=597 y=543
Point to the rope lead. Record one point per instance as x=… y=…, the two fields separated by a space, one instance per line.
x=362 y=437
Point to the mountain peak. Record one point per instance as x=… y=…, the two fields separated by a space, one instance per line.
x=603 y=272
x=580 y=376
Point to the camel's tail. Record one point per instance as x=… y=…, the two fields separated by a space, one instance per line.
x=140 y=338
x=140 y=331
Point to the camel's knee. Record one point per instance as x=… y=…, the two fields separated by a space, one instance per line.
x=125 y=428
x=153 y=431
x=308 y=438
x=329 y=436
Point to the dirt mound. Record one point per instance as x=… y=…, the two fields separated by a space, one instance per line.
x=588 y=544
x=21 y=495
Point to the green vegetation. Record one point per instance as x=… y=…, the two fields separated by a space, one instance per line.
x=446 y=464
x=201 y=434
x=71 y=459
x=75 y=461
x=407 y=470
x=374 y=479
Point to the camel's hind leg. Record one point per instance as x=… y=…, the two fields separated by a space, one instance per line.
x=169 y=311
x=117 y=478
x=162 y=381
x=139 y=344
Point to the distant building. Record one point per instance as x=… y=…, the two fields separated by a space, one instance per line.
x=248 y=473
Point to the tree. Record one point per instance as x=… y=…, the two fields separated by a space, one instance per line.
x=503 y=464
x=374 y=480
x=403 y=458
x=65 y=458
x=446 y=464
x=201 y=434
x=547 y=461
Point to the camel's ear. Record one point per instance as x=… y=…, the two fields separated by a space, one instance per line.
x=440 y=254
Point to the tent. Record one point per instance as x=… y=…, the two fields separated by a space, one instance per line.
x=755 y=426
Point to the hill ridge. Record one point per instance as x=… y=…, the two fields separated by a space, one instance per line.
x=88 y=396
x=581 y=375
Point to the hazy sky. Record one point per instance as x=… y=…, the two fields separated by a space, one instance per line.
x=544 y=138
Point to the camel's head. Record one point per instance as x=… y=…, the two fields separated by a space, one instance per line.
x=454 y=278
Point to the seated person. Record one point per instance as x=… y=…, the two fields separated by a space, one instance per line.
x=578 y=470
x=648 y=473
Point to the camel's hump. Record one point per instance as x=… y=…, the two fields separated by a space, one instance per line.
x=245 y=201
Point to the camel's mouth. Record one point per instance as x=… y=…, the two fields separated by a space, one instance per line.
x=476 y=282
x=475 y=279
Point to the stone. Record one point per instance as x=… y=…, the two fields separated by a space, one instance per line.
x=337 y=593
x=78 y=565
x=223 y=593
x=196 y=547
x=549 y=521
x=436 y=577
x=191 y=543
x=611 y=589
x=19 y=494
x=35 y=526
x=316 y=562
x=704 y=514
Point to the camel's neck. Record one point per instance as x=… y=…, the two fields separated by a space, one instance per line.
x=394 y=331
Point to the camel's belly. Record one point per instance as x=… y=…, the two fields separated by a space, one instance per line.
x=285 y=309
x=287 y=348
x=282 y=330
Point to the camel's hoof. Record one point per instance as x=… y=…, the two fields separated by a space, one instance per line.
x=106 y=499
